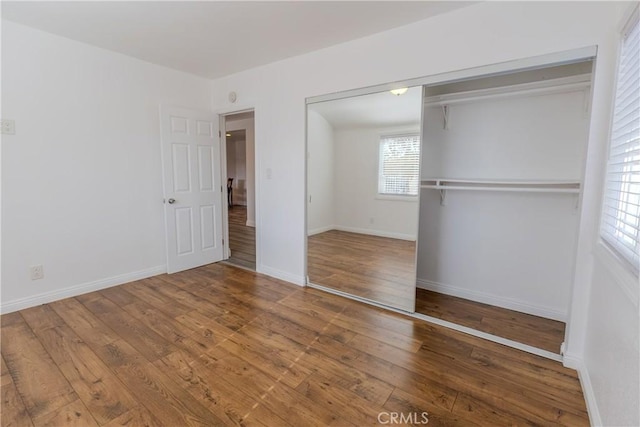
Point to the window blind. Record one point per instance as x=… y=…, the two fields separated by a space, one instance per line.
x=621 y=210
x=399 y=165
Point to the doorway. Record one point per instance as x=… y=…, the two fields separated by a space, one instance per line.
x=240 y=167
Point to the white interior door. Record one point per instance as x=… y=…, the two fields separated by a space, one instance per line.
x=192 y=188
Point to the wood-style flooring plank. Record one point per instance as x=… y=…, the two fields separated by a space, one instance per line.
x=136 y=417
x=150 y=291
x=414 y=406
x=220 y=396
x=147 y=342
x=156 y=391
x=36 y=376
x=220 y=345
x=539 y=332
x=96 y=385
x=83 y=322
x=275 y=358
x=172 y=330
x=74 y=414
x=14 y=413
x=242 y=239
x=297 y=409
x=323 y=389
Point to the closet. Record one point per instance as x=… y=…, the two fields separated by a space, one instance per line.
x=502 y=166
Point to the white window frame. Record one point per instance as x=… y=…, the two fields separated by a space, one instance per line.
x=396 y=196
x=615 y=182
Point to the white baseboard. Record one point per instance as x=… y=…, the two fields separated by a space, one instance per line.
x=575 y=362
x=499 y=301
x=379 y=233
x=32 y=301
x=321 y=230
x=251 y=224
x=282 y=275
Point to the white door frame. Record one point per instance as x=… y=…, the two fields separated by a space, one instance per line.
x=223 y=170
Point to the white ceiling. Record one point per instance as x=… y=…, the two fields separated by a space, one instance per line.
x=381 y=109
x=217 y=38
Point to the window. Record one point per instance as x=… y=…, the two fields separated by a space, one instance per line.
x=399 y=170
x=621 y=210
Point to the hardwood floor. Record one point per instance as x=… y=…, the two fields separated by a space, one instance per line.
x=382 y=269
x=242 y=239
x=218 y=345
x=536 y=331
x=376 y=268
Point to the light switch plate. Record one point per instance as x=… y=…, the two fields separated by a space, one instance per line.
x=8 y=127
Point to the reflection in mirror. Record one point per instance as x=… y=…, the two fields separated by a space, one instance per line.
x=362 y=184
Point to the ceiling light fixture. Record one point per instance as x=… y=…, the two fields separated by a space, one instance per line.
x=399 y=91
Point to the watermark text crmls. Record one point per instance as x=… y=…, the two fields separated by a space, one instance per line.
x=403 y=418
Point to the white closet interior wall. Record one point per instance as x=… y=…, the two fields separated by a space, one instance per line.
x=511 y=249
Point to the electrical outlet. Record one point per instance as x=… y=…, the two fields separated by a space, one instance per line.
x=36 y=272
x=8 y=127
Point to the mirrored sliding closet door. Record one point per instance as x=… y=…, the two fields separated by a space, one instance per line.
x=363 y=157
x=457 y=200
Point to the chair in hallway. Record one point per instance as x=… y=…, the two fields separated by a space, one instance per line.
x=230 y=192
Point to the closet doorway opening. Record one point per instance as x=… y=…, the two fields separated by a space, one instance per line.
x=239 y=143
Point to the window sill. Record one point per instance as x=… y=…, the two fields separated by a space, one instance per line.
x=393 y=198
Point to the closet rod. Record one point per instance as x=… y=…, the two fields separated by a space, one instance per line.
x=567 y=187
x=512 y=189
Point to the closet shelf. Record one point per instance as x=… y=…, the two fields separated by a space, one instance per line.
x=544 y=87
x=568 y=187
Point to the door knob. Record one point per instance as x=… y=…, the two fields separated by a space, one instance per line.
x=171 y=201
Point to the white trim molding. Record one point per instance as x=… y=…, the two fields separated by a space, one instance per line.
x=575 y=362
x=320 y=230
x=366 y=231
x=282 y=275
x=72 y=291
x=379 y=233
x=499 y=301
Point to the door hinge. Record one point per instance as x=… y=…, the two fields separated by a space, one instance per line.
x=219 y=134
x=222 y=242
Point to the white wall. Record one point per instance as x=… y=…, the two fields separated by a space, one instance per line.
x=81 y=178
x=320 y=174
x=486 y=33
x=540 y=137
x=242 y=122
x=358 y=207
x=612 y=350
x=512 y=250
